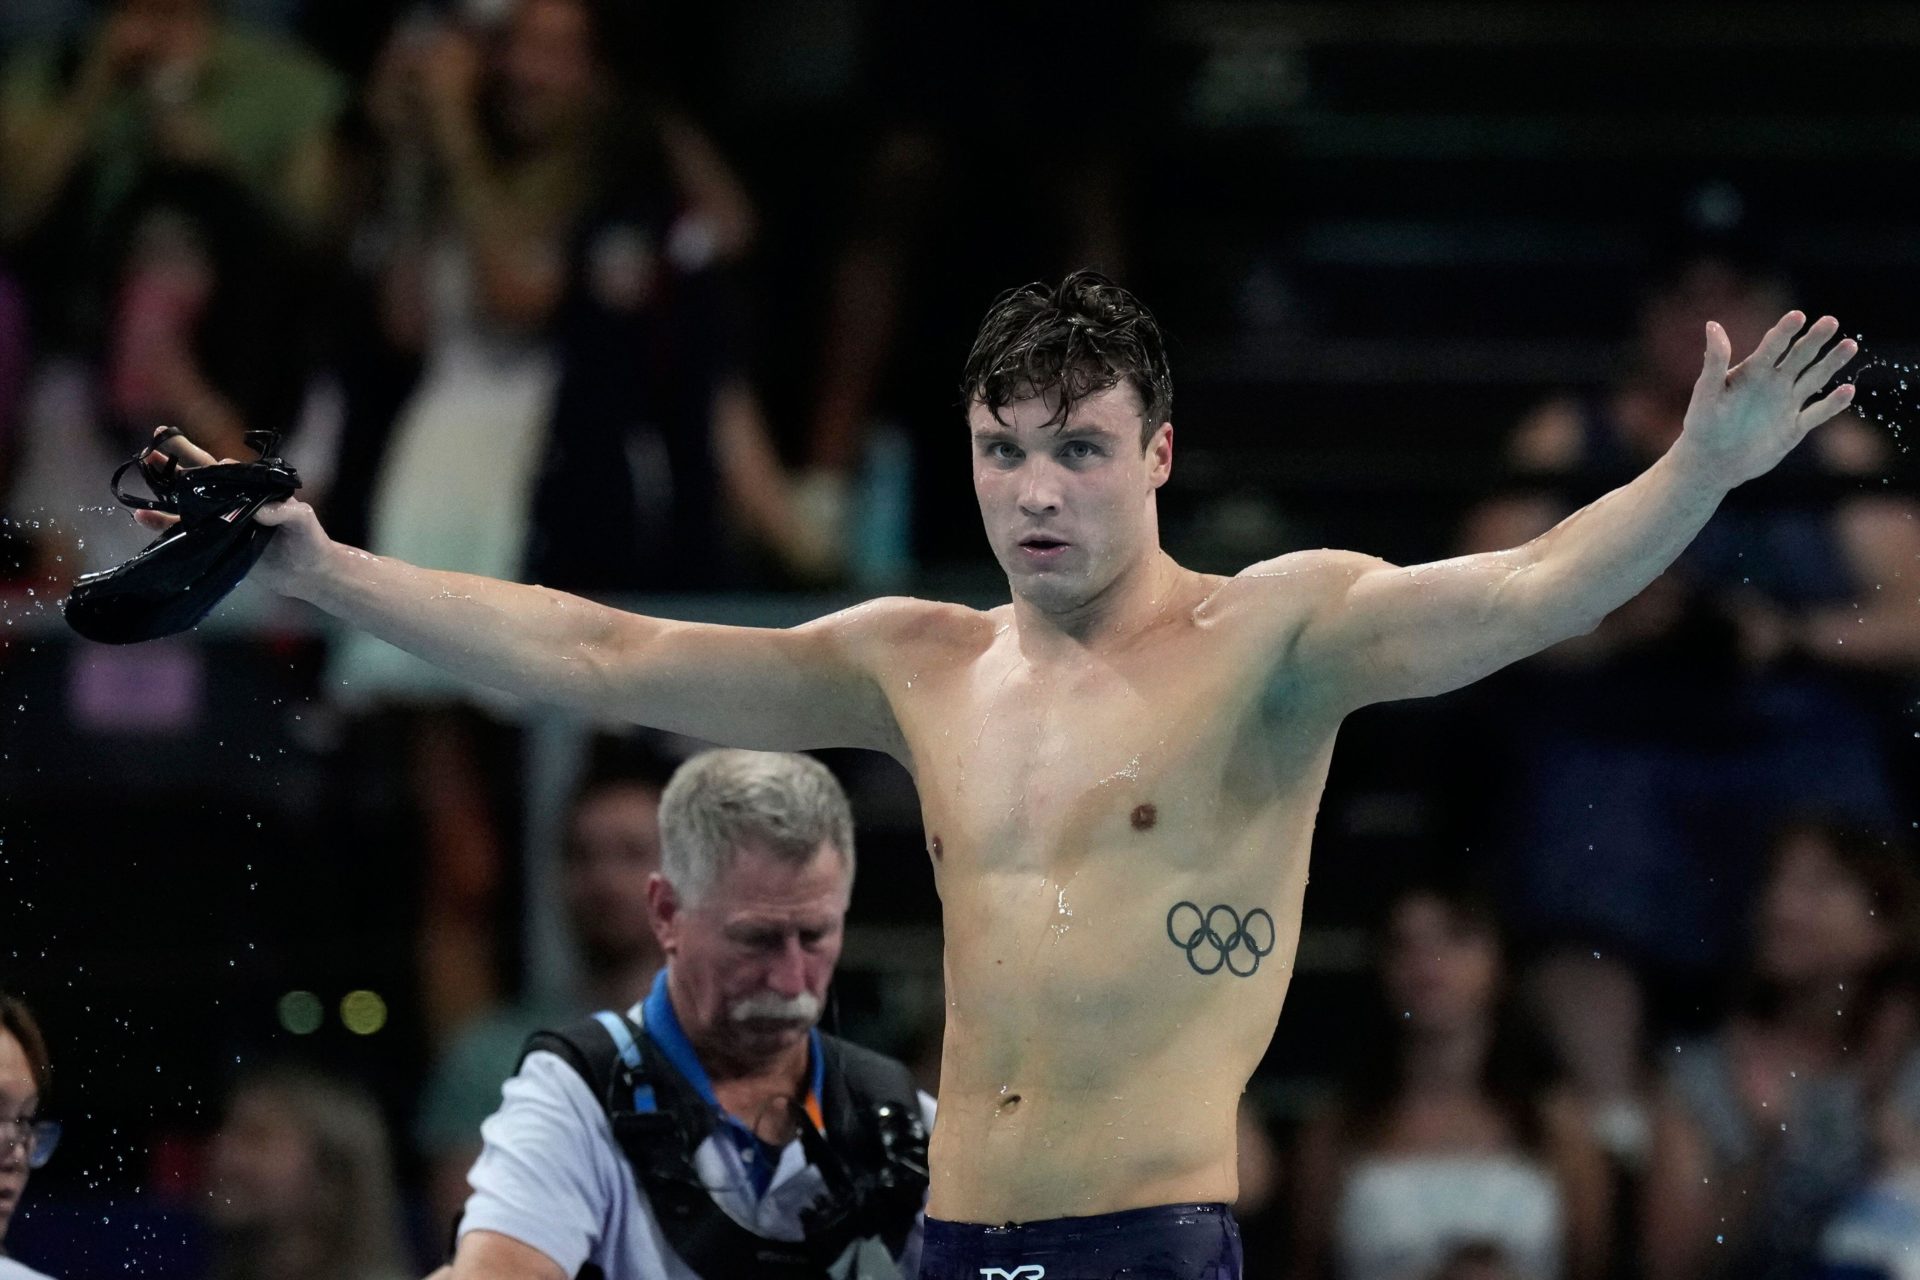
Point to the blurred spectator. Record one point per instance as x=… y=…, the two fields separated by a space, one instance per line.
x=26 y=1140
x=159 y=175
x=1478 y=1262
x=490 y=155
x=547 y=389
x=1449 y=1136
x=1876 y=1233
x=1660 y=749
x=1767 y=1126
x=956 y=203
x=612 y=849
x=160 y=84
x=303 y=1183
x=23 y=561
x=550 y=243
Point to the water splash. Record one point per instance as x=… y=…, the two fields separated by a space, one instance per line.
x=1886 y=391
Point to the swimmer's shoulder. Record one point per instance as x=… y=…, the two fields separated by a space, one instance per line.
x=906 y=626
x=1271 y=605
x=1294 y=585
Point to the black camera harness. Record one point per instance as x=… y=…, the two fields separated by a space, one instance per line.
x=872 y=1155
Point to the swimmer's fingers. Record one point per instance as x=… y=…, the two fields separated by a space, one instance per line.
x=158 y=521
x=1821 y=372
x=1773 y=346
x=169 y=443
x=272 y=513
x=1830 y=405
x=1806 y=349
x=1713 y=367
x=168 y=450
x=281 y=511
x=1713 y=370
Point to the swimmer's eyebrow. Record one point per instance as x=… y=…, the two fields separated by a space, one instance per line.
x=1086 y=430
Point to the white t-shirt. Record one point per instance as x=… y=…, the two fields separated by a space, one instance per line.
x=552 y=1177
x=11 y=1270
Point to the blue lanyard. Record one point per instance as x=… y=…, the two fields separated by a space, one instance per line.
x=663 y=1027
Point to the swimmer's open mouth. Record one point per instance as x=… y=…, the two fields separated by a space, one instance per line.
x=1042 y=544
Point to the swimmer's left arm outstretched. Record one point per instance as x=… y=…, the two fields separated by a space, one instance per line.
x=1378 y=632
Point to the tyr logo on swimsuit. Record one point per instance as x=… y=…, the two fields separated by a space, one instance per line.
x=1032 y=1271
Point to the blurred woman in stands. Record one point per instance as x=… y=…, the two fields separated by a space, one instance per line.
x=1769 y=1125
x=303 y=1184
x=1449 y=1150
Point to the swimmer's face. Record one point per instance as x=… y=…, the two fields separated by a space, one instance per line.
x=749 y=962
x=613 y=850
x=1817 y=920
x=19 y=1097
x=1069 y=507
x=1441 y=967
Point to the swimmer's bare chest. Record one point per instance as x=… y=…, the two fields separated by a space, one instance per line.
x=1166 y=747
x=1072 y=807
x=1120 y=845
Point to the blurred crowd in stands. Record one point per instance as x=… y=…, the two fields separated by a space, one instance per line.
x=518 y=311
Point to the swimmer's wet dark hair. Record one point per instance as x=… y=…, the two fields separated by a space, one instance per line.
x=1074 y=339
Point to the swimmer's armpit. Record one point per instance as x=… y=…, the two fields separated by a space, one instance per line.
x=1221 y=937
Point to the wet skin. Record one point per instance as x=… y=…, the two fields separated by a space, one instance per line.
x=1124 y=737
x=1065 y=990
x=1129 y=735
x=1105 y=747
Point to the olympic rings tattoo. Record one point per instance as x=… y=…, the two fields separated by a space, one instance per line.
x=1240 y=936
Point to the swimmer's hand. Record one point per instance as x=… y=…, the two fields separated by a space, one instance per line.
x=298 y=549
x=1742 y=420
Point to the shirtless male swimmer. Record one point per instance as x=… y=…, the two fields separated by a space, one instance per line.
x=1119 y=770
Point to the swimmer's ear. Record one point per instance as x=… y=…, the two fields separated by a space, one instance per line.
x=1713 y=372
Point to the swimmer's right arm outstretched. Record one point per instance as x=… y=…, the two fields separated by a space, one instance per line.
x=773 y=689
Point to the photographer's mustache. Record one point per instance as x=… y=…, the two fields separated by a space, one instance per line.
x=803 y=1009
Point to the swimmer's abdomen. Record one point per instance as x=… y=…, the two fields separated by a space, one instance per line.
x=1127 y=1061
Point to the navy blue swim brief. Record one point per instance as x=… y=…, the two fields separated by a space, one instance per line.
x=1163 y=1242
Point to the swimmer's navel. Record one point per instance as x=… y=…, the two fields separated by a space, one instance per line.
x=937 y=849
x=1008 y=1105
x=1144 y=817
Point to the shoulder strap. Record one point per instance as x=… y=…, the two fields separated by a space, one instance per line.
x=857 y=1075
x=659 y=1121
x=877 y=1138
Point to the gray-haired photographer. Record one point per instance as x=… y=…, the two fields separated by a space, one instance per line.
x=712 y=1130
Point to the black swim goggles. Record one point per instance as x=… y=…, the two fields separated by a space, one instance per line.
x=175 y=580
